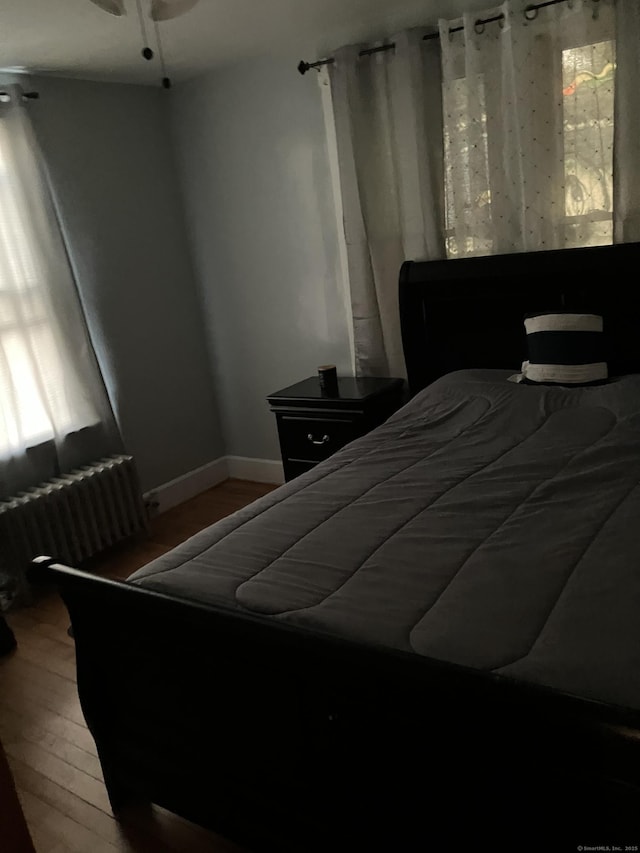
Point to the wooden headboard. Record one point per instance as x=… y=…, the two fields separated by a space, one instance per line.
x=468 y=312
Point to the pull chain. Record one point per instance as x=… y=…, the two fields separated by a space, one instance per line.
x=147 y=53
x=166 y=80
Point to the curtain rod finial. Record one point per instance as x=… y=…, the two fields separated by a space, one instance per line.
x=303 y=66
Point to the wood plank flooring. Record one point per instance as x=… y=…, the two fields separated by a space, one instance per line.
x=50 y=751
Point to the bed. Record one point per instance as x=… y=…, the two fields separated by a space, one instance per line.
x=429 y=640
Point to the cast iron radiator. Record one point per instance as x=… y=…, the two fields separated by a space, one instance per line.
x=74 y=516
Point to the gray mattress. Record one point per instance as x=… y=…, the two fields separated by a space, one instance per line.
x=487 y=524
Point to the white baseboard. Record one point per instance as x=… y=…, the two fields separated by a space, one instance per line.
x=195 y=482
x=258 y=470
x=186 y=486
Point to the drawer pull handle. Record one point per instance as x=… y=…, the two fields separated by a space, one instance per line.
x=325 y=438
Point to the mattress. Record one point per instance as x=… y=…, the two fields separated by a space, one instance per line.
x=486 y=524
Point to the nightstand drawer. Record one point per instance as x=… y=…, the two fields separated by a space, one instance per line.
x=314 y=439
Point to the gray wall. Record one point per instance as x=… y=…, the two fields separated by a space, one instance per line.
x=110 y=157
x=251 y=145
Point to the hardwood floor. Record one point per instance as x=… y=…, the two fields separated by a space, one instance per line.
x=50 y=751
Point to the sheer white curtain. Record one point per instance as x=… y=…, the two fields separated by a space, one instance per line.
x=626 y=159
x=529 y=124
x=389 y=142
x=54 y=411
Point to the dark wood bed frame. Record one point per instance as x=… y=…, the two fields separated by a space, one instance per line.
x=285 y=741
x=468 y=312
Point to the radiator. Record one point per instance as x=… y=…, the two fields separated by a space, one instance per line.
x=75 y=516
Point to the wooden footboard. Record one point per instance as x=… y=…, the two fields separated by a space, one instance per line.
x=287 y=741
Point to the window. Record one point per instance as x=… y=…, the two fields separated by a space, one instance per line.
x=588 y=90
x=528 y=142
x=467 y=193
x=40 y=395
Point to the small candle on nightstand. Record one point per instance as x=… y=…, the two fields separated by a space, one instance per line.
x=328 y=376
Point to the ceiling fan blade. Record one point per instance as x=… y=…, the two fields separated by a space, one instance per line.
x=164 y=10
x=113 y=7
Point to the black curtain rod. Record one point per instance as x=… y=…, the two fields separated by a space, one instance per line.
x=530 y=12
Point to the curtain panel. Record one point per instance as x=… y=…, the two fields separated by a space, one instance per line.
x=55 y=414
x=512 y=136
x=626 y=149
x=529 y=117
x=390 y=158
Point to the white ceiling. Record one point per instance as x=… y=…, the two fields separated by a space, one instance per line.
x=75 y=38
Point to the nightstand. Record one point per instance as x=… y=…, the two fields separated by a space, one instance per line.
x=313 y=425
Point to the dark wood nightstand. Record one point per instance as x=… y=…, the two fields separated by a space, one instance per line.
x=312 y=425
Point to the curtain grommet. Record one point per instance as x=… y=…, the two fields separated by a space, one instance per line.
x=530 y=13
x=479 y=27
